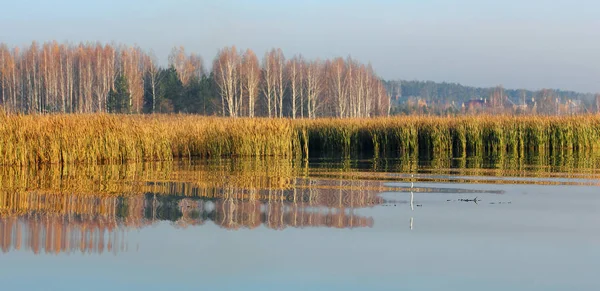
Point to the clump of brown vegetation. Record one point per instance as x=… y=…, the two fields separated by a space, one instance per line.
x=457 y=137
x=101 y=138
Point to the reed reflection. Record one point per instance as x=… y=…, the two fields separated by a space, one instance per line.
x=52 y=224
x=49 y=215
x=91 y=209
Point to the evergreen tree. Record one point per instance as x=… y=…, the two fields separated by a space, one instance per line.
x=119 y=97
x=191 y=98
x=171 y=91
x=209 y=95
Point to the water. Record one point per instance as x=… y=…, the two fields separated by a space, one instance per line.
x=286 y=225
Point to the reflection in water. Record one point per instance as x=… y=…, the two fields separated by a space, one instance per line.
x=56 y=234
x=503 y=169
x=91 y=209
x=51 y=216
x=412 y=200
x=55 y=223
x=61 y=223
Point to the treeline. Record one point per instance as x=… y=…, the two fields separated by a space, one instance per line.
x=445 y=98
x=430 y=90
x=94 y=77
x=65 y=78
x=297 y=87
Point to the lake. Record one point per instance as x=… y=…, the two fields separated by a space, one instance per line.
x=237 y=224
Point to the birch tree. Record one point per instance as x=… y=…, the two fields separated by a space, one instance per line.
x=251 y=79
x=314 y=85
x=276 y=64
x=294 y=74
x=269 y=79
x=154 y=77
x=226 y=71
x=337 y=77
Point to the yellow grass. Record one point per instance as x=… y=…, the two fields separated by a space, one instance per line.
x=453 y=136
x=101 y=138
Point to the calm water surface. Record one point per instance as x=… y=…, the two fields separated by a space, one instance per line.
x=287 y=225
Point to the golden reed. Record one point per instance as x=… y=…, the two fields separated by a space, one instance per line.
x=102 y=138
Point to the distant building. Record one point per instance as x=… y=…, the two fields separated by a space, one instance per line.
x=416 y=102
x=475 y=103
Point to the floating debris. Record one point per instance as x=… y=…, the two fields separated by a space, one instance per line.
x=476 y=199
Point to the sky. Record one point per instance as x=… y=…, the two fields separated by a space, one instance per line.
x=530 y=44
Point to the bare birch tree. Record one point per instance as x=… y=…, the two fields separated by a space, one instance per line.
x=269 y=78
x=251 y=79
x=337 y=77
x=294 y=74
x=314 y=86
x=226 y=71
x=276 y=62
x=154 y=77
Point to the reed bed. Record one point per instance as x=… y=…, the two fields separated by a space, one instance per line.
x=454 y=137
x=101 y=138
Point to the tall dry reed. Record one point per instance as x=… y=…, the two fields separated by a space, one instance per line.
x=101 y=138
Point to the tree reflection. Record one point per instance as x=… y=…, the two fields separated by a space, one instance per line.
x=50 y=223
x=92 y=209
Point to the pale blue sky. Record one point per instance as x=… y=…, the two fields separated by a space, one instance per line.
x=517 y=43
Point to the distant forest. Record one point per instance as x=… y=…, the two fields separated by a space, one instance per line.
x=94 y=77
x=442 y=98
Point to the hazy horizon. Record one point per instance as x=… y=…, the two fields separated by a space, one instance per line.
x=529 y=45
